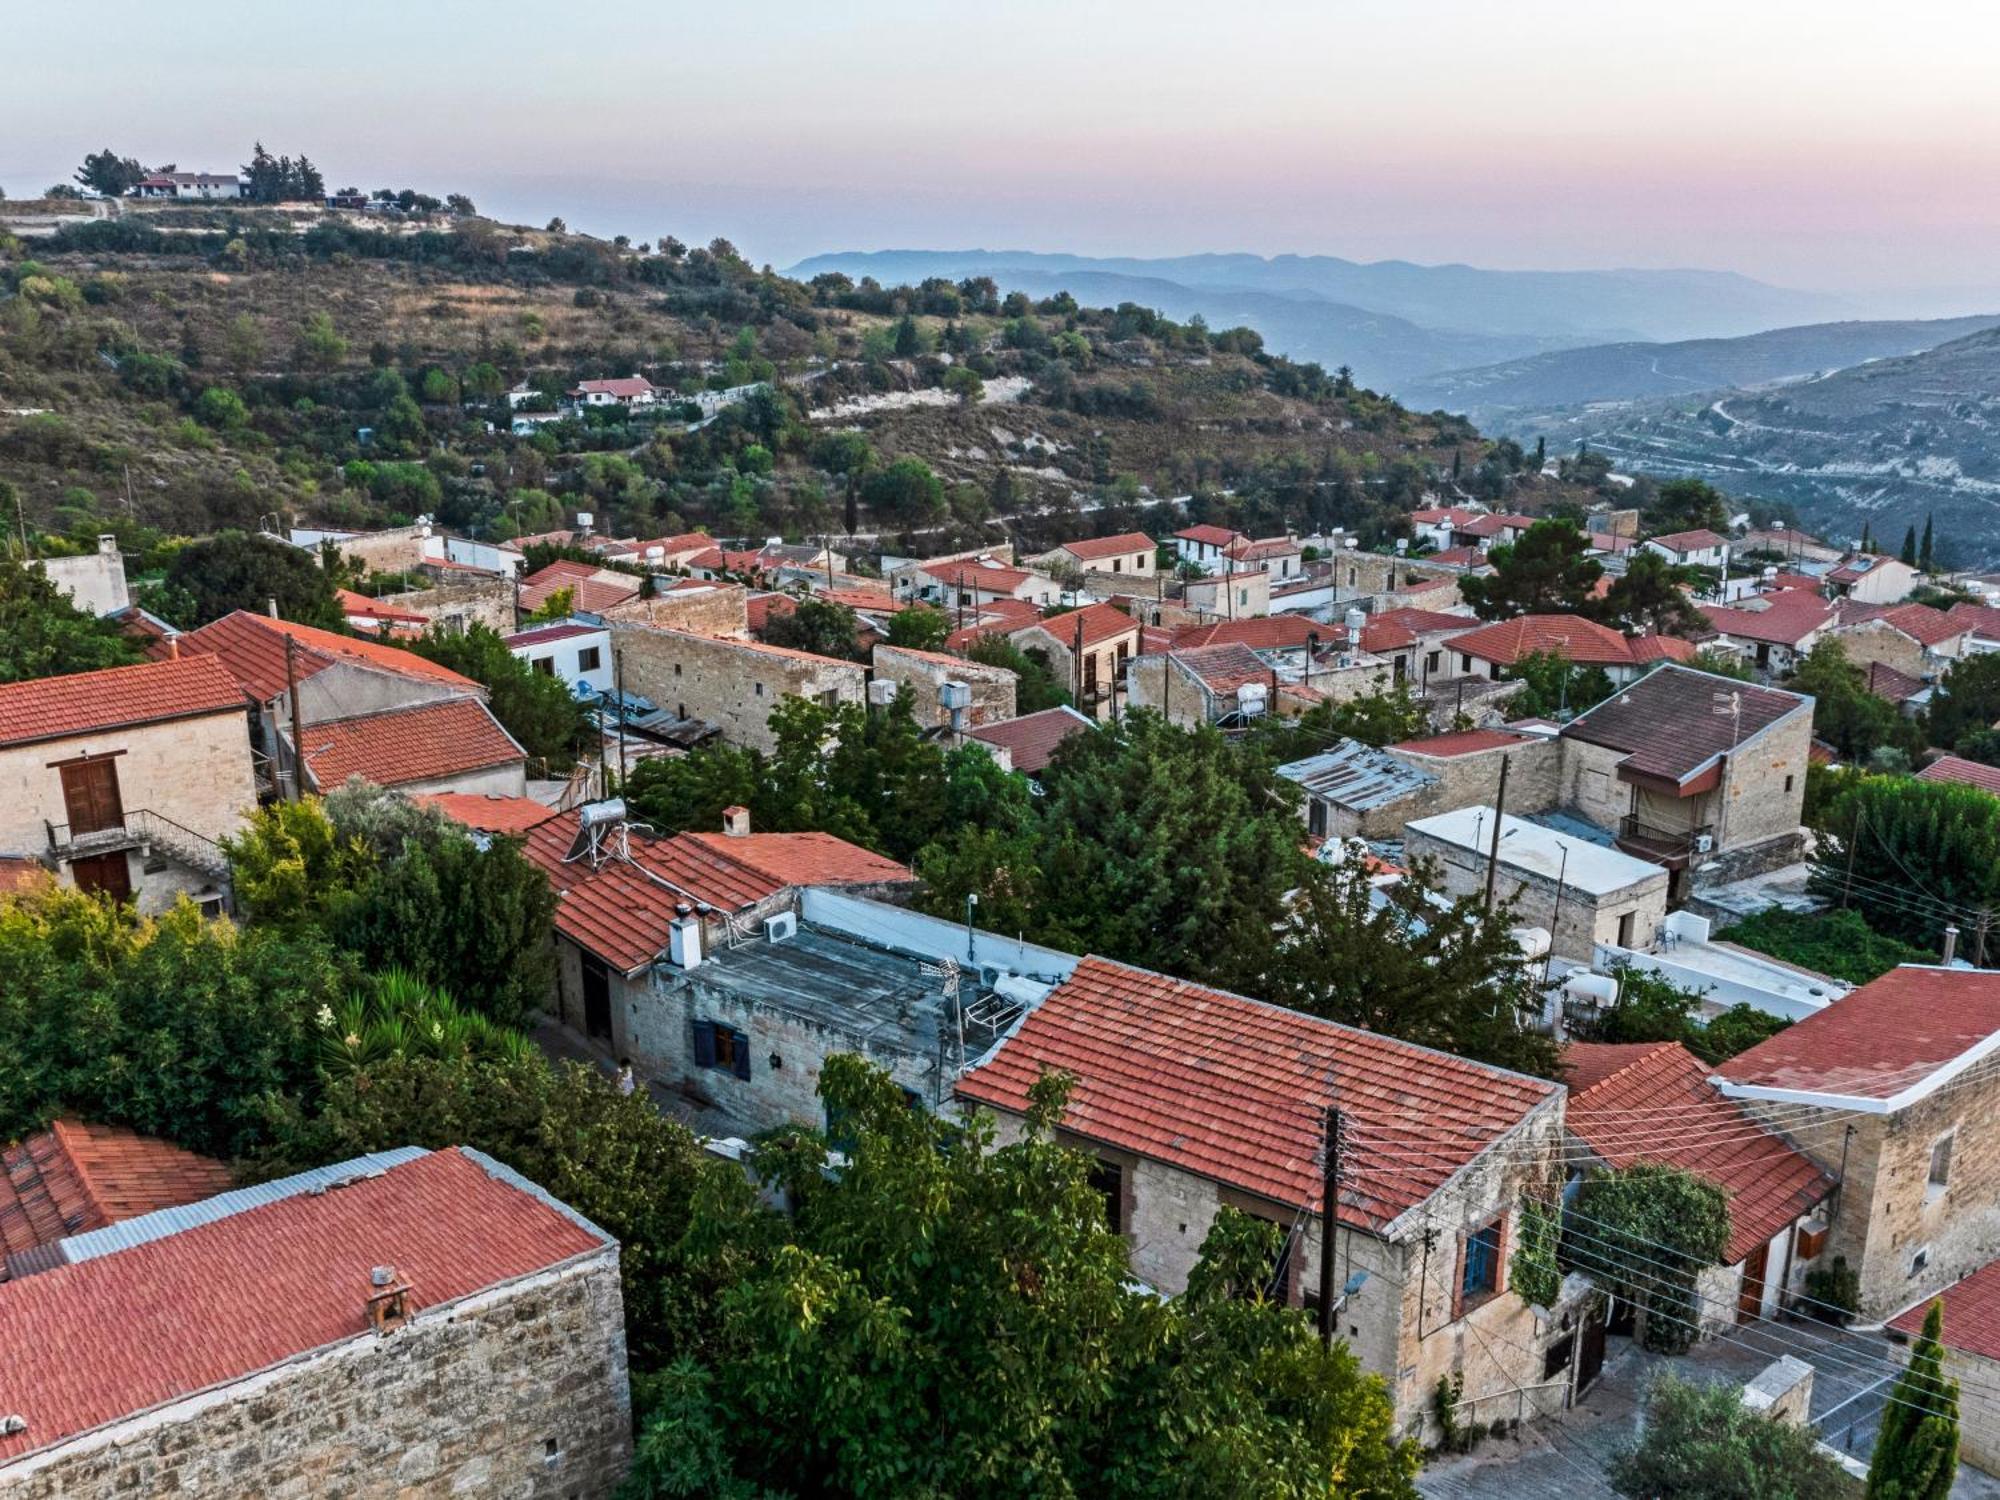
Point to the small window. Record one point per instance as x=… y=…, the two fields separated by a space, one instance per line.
x=1788 y=783
x=1625 y=929
x=1117 y=564
x=1940 y=1176
x=1433 y=662
x=546 y=665
x=1920 y=1262
x=722 y=1048
x=759 y=687
x=587 y=660
x=677 y=669
x=1109 y=1180
x=1480 y=1277
x=1464 y=662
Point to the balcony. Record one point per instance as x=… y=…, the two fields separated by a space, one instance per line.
x=1672 y=847
x=147 y=831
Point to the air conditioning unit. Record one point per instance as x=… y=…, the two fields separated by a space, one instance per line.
x=1704 y=843
x=881 y=693
x=782 y=926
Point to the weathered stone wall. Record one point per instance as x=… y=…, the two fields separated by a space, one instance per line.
x=1764 y=785
x=347 y=689
x=1244 y=596
x=732 y=684
x=1875 y=640
x=720 y=610
x=1590 y=786
x=1583 y=920
x=94 y=581
x=1978 y=1408
x=519 y=1391
x=396 y=550
x=925 y=672
x=1533 y=777
x=459 y=606
x=1108 y=658
x=510 y=780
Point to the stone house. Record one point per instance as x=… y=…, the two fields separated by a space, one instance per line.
x=1354 y=791
x=456 y=605
x=422 y=1323
x=125 y=781
x=934 y=679
x=1463 y=770
x=93 y=581
x=78 y=1175
x=589 y=589
x=1121 y=560
x=1893 y=1092
x=731 y=684
x=1279 y=556
x=1029 y=743
x=1690 y=769
x=1436 y=1155
x=1773 y=632
x=967 y=583
x=1230 y=683
x=1653 y=1102
x=1496 y=650
x=452 y=745
x=1971 y=1340
x=1086 y=650
x=1238 y=594
x=628 y=900
x=1913 y=639
x=1429 y=629
x=1582 y=894
x=687 y=604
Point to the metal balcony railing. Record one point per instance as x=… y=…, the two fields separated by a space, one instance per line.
x=1666 y=843
x=143 y=828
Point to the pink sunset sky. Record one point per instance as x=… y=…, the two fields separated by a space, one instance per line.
x=1833 y=146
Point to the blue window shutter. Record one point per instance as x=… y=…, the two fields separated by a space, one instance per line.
x=704 y=1044
x=742 y=1054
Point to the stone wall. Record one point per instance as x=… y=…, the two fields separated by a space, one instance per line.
x=1978 y=1407
x=925 y=672
x=1590 y=786
x=94 y=581
x=519 y=1391
x=347 y=689
x=1108 y=658
x=1764 y=785
x=720 y=610
x=395 y=550
x=1877 y=640
x=459 y=606
x=1583 y=920
x=732 y=684
x=1533 y=778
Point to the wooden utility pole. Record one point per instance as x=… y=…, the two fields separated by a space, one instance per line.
x=618 y=686
x=298 y=732
x=1329 y=1209
x=1499 y=817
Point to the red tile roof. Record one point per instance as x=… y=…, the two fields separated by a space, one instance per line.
x=1981 y=619
x=1964 y=772
x=55 y=708
x=625 y=387
x=545 y=635
x=1927 y=626
x=252 y=647
x=1461 y=742
x=352 y=603
x=1236 y=1090
x=1971 y=1313
x=758 y=609
x=1894 y=1034
x=1491 y=525
x=1452 y=557
x=489 y=813
x=1672 y=722
x=592 y=590
x=1031 y=740
x=1647 y=648
x=1099 y=548
x=1792 y=616
x=973 y=577
x=672 y=548
x=1615 y=1090
x=1100 y=622
x=1210 y=536
x=124 y=1333
x=1699 y=540
x=1884 y=681
x=1455 y=515
x=427 y=741
x=1262 y=547
x=76 y=1176
x=621 y=911
x=1425 y=621
x=1259 y=633
x=1583 y=641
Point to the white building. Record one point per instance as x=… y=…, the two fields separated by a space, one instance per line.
x=577 y=652
x=94 y=581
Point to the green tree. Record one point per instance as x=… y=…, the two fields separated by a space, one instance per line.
x=42 y=634
x=1384 y=717
x=536 y=708
x=109 y=173
x=1967 y=701
x=1908 y=556
x=1036 y=686
x=1916 y=1447
x=320 y=345
x=1926 y=554
x=1557 y=688
x=1648 y=1232
x=1721 y=663
x=965 y=384
x=1926 y=853
x=821 y=626
x=906 y=493
x=1546 y=572
x=843 y=1342
x=1419 y=965
x=909 y=339
x=221 y=408
x=234 y=570
x=1650 y=596
x=1845 y=714
x=919 y=628
x=1687 y=505
x=1700 y=1442
x=1838 y=942
x=677 y=793
x=849 y=455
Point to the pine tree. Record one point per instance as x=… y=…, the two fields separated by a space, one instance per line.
x=1909 y=552
x=1926 y=558
x=1916 y=1451
x=1867 y=542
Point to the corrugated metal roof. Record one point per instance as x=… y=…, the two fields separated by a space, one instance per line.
x=148 y=1227
x=1358 y=776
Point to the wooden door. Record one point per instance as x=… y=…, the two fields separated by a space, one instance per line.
x=1750 y=1300
x=1590 y=1350
x=90 y=794
x=103 y=875
x=596 y=999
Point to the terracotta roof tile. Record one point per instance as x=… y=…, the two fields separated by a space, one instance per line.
x=1031 y=740
x=592 y=590
x=1236 y=1090
x=352 y=603
x=1210 y=536
x=400 y=745
x=1100 y=622
x=1884 y=681
x=489 y=813
x=1927 y=626
x=1971 y=1313
x=1892 y=1034
x=76 y=1176
x=1964 y=772
x=252 y=647
x=1583 y=641
x=974 y=577
x=1453 y=557
x=1461 y=742
x=53 y=708
x=1981 y=619
x=1425 y=621
x=1698 y=540
x=1099 y=548
x=1668 y=721
x=1790 y=619
x=123 y=1333
x=1768 y=1183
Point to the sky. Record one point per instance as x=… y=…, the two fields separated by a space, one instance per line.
x=1835 y=146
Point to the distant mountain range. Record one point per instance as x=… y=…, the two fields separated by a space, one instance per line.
x=1639 y=371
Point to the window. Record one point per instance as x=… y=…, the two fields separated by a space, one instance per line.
x=1243 y=598
x=1433 y=662
x=1464 y=662
x=1352 y=574
x=1109 y=1179
x=1117 y=564
x=1479 y=1272
x=546 y=665
x=721 y=1047
x=1625 y=929
x=1788 y=783
x=1940 y=1174
x=677 y=669
x=587 y=659
x=759 y=687
x=1920 y=1262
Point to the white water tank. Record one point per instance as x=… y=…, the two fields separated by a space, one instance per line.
x=1252 y=698
x=1357 y=621
x=955 y=695
x=1586 y=988
x=585 y=520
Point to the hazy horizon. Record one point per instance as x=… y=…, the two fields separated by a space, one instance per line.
x=1830 y=148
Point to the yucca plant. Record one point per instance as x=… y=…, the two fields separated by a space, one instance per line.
x=400 y=1017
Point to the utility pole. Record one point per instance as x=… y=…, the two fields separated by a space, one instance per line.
x=1329 y=1209
x=1979 y=938
x=1853 y=844
x=1499 y=817
x=618 y=686
x=298 y=732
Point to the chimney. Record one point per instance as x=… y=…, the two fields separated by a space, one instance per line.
x=684 y=938
x=107 y=544
x=388 y=1300
x=1950 y=946
x=174 y=646
x=271 y=606
x=736 y=821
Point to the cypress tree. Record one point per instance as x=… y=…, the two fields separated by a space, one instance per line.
x=1926 y=558
x=1916 y=1451
x=1909 y=553
x=1867 y=542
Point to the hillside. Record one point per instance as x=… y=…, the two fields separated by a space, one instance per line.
x=1641 y=371
x=197 y=368
x=1541 y=306
x=1886 y=442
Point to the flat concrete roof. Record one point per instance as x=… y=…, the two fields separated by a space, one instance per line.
x=1534 y=850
